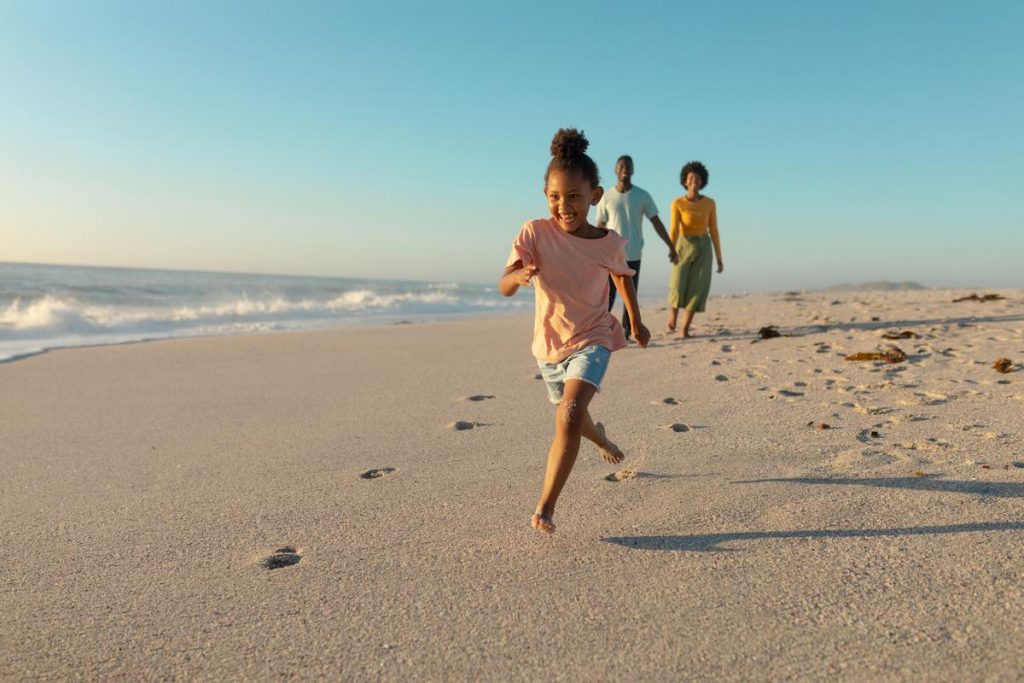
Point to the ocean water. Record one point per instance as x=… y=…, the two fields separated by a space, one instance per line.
x=47 y=307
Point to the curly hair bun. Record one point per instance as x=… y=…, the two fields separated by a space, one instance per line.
x=569 y=143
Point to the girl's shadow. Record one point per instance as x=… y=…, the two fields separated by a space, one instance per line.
x=712 y=542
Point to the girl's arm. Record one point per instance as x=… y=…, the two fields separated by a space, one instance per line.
x=624 y=284
x=516 y=276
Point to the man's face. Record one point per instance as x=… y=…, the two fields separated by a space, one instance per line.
x=624 y=170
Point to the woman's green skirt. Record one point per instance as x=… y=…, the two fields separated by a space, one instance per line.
x=690 y=281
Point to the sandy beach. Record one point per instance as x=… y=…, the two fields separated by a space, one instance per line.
x=194 y=509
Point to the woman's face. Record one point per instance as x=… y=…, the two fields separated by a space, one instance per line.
x=693 y=182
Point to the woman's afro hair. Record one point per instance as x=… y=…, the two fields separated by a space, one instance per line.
x=694 y=167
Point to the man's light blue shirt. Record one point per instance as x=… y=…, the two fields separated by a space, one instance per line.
x=624 y=213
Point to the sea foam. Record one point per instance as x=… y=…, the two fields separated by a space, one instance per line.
x=44 y=307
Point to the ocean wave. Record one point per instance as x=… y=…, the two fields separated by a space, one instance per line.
x=47 y=322
x=72 y=315
x=43 y=307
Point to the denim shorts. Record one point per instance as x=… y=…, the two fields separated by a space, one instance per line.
x=587 y=365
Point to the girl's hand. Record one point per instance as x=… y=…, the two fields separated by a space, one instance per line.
x=720 y=266
x=641 y=334
x=673 y=256
x=523 y=275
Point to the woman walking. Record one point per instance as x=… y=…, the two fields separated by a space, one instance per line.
x=694 y=232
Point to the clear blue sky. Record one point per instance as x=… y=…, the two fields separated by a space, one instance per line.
x=846 y=141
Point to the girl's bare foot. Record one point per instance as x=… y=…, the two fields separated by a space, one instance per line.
x=609 y=451
x=542 y=523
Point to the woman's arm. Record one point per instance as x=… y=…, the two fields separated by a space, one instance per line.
x=713 y=229
x=673 y=235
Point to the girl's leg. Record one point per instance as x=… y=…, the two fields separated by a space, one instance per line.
x=672 y=313
x=610 y=453
x=687 y=319
x=569 y=421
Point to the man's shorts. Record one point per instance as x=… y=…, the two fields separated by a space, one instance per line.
x=587 y=365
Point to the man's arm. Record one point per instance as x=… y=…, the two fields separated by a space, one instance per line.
x=659 y=228
x=601 y=215
x=624 y=284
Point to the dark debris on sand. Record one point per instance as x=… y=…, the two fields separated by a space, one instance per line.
x=893 y=354
x=981 y=299
x=1003 y=365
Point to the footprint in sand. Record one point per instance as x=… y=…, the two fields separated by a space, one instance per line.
x=478 y=397
x=282 y=557
x=665 y=402
x=931 y=398
x=931 y=444
x=867 y=435
x=374 y=474
x=463 y=425
x=863 y=459
x=871 y=410
x=899 y=419
x=621 y=475
x=785 y=393
x=721 y=378
x=679 y=427
x=727 y=348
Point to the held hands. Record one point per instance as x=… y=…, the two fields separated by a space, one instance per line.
x=641 y=334
x=674 y=257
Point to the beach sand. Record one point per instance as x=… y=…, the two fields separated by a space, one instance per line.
x=195 y=508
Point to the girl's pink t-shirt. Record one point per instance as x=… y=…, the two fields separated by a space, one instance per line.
x=571 y=288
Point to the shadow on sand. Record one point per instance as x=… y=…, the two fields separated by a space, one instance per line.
x=711 y=542
x=930 y=482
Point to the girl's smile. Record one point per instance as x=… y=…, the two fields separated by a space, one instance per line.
x=570 y=197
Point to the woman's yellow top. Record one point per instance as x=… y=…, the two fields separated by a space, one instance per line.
x=693 y=219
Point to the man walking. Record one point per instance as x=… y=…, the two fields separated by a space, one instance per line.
x=622 y=209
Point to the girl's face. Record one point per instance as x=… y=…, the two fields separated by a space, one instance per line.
x=570 y=197
x=693 y=182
